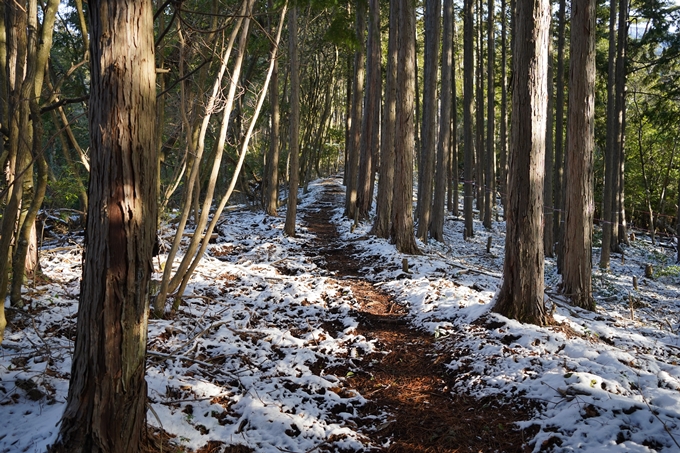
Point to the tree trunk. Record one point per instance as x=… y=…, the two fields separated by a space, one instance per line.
x=549 y=205
x=26 y=48
x=357 y=115
x=160 y=115
x=468 y=96
x=25 y=260
x=402 y=212
x=490 y=164
x=454 y=178
x=106 y=403
x=578 y=228
x=479 y=112
x=619 y=235
x=17 y=144
x=4 y=82
x=429 y=127
x=559 y=135
x=370 y=128
x=24 y=63
x=443 y=145
x=381 y=226
x=621 y=197
x=294 y=121
x=270 y=184
x=521 y=294
x=610 y=149
x=348 y=121
x=504 y=110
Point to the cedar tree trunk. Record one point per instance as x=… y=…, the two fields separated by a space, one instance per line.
x=105 y=409
x=521 y=295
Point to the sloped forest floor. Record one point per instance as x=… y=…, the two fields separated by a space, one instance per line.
x=326 y=343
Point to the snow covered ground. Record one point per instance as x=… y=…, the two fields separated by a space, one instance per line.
x=244 y=361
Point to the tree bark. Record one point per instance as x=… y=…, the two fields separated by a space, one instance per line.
x=381 y=226
x=402 y=212
x=18 y=148
x=610 y=150
x=4 y=82
x=26 y=47
x=443 y=145
x=454 y=178
x=479 y=113
x=25 y=260
x=294 y=121
x=578 y=228
x=619 y=235
x=357 y=115
x=370 y=126
x=429 y=124
x=559 y=135
x=270 y=187
x=105 y=410
x=490 y=163
x=348 y=122
x=468 y=96
x=504 y=110
x=548 y=203
x=521 y=294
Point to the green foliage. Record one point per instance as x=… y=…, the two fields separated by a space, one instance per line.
x=667 y=271
x=658 y=257
x=341 y=32
x=63 y=191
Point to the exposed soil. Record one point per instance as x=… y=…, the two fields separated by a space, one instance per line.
x=410 y=381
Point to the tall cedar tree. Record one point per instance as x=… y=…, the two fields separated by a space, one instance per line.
x=454 y=191
x=353 y=148
x=610 y=150
x=548 y=238
x=106 y=404
x=402 y=212
x=270 y=182
x=370 y=125
x=619 y=235
x=490 y=164
x=578 y=229
x=521 y=295
x=381 y=225
x=429 y=127
x=444 y=142
x=468 y=144
x=294 y=122
x=479 y=112
x=558 y=179
x=503 y=139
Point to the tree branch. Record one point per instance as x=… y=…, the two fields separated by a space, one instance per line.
x=58 y=104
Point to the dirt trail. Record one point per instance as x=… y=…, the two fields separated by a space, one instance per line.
x=411 y=381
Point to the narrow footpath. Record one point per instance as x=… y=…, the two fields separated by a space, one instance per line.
x=411 y=381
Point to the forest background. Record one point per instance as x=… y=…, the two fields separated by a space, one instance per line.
x=227 y=118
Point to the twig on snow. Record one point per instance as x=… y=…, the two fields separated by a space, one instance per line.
x=468 y=269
